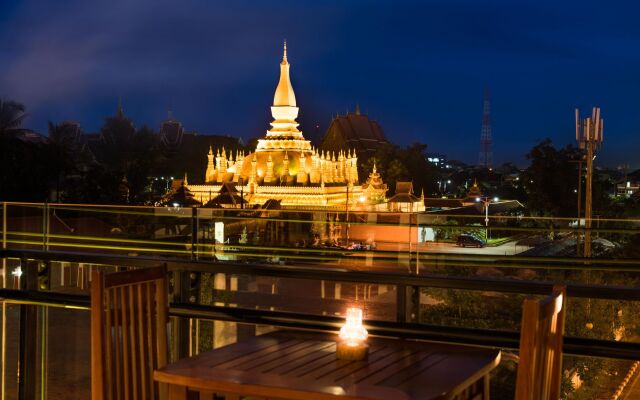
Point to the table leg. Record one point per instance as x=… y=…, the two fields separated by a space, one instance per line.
x=206 y=395
x=177 y=392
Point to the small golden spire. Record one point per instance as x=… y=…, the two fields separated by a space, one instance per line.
x=284 y=55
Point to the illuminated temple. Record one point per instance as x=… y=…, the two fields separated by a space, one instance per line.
x=286 y=167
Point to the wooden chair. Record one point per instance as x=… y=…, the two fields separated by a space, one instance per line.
x=128 y=333
x=540 y=365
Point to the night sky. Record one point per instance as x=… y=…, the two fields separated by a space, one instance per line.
x=418 y=68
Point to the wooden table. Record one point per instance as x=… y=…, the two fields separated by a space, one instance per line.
x=302 y=365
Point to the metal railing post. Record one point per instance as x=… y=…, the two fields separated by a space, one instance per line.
x=194 y=233
x=414 y=312
x=401 y=303
x=417 y=245
x=4 y=304
x=27 y=377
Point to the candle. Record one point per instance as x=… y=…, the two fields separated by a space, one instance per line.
x=353 y=335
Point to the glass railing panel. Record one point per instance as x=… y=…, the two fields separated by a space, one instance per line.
x=68 y=352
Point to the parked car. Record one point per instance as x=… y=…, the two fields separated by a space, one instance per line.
x=469 y=240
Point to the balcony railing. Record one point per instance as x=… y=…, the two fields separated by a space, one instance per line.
x=224 y=290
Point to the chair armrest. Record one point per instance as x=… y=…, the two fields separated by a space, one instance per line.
x=510 y=356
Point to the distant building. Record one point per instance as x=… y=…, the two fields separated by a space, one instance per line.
x=404 y=200
x=628 y=184
x=354 y=131
x=627 y=188
x=438 y=159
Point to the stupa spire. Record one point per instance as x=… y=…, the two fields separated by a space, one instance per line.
x=284 y=53
x=284 y=92
x=284 y=132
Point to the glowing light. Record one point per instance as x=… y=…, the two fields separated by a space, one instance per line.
x=176 y=205
x=353 y=333
x=362 y=199
x=496 y=199
x=17 y=272
x=477 y=199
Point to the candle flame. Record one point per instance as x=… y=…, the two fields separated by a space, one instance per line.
x=353 y=333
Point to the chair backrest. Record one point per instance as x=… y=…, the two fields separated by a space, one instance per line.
x=540 y=366
x=128 y=333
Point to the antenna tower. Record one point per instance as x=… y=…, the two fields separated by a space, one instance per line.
x=485 y=158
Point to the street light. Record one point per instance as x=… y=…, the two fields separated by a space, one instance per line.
x=486 y=201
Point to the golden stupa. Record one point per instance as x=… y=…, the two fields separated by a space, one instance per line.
x=286 y=167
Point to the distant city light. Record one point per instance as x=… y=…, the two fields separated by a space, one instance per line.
x=477 y=199
x=496 y=199
x=449 y=181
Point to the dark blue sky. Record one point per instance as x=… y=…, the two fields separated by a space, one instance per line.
x=417 y=67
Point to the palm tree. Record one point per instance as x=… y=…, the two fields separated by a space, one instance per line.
x=12 y=114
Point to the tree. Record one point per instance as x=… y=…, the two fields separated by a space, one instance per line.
x=145 y=155
x=551 y=180
x=26 y=163
x=12 y=115
x=402 y=164
x=127 y=153
x=421 y=172
x=115 y=151
x=66 y=150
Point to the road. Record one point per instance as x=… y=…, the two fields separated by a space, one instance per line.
x=506 y=249
x=394 y=257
